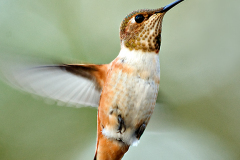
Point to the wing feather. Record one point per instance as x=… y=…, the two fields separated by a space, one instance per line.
x=75 y=84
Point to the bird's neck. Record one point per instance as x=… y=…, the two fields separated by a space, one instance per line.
x=143 y=61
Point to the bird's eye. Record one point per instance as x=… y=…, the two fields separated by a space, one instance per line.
x=139 y=18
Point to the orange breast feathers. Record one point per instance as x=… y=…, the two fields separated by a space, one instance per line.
x=127 y=102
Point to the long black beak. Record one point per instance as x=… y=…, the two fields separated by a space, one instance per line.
x=168 y=7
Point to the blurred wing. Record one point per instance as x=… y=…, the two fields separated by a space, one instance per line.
x=74 y=84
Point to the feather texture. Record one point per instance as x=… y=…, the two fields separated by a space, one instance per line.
x=71 y=85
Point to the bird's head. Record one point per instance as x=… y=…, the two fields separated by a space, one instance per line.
x=141 y=29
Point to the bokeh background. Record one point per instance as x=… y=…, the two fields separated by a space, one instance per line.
x=197 y=116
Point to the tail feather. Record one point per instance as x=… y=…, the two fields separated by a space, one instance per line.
x=108 y=149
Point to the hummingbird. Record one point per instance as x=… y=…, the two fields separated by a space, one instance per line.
x=125 y=90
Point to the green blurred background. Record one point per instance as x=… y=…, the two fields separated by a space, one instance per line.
x=197 y=116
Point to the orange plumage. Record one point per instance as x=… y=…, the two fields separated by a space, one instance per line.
x=125 y=91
